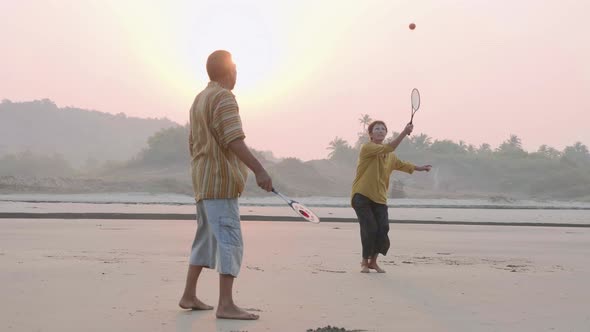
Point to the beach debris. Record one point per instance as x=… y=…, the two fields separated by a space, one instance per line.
x=516 y=268
x=254 y=268
x=501 y=199
x=331 y=271
x=332 y=329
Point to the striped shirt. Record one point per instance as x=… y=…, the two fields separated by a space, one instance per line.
x=375 y=165
x=214 y=123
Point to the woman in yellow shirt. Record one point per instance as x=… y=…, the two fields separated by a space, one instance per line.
x=369 y=191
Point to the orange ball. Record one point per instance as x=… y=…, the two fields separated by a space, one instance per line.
x=412 y=26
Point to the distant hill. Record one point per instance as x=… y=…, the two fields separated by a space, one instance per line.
x=79 y=135
x=150 y=155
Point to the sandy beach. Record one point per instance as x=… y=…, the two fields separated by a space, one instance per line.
x=127 y=275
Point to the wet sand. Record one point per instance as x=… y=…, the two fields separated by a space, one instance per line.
x=555 y=217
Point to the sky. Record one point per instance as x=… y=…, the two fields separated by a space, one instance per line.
x=308 y=70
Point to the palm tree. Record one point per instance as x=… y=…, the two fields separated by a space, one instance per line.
x=421 y=142
x=447 y=146
x=462 y=146
x=577 y=152
x=485 y=149
x=578 y=147
x=365 y=120
x=512 y=146
x=548 y=152
x=337 y=145
x=363 y=136
x=515 y=141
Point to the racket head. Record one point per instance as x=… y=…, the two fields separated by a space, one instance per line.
x=305 y=213
x=415 y=97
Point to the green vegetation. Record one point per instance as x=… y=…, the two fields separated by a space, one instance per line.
x=460 y=169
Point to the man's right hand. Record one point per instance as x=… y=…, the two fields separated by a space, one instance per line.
x=238 y=147
x=263 y=180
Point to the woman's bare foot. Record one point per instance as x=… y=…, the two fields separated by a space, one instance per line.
x=193 y=304
x=364 y=267
x=376 y=267
x=234 y=312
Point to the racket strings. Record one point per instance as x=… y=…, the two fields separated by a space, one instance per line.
x=415 y=99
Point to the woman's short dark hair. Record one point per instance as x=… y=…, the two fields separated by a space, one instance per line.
x=374 y=123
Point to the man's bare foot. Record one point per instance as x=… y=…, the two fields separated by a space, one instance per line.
x=193 y=304
x=376 y=267
x=234 y=312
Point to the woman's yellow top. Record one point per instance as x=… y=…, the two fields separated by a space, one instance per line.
x=375 y=164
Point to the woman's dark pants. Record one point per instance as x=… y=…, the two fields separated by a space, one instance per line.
x=374 y=224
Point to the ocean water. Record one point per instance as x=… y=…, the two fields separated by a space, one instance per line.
x=273 y=200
